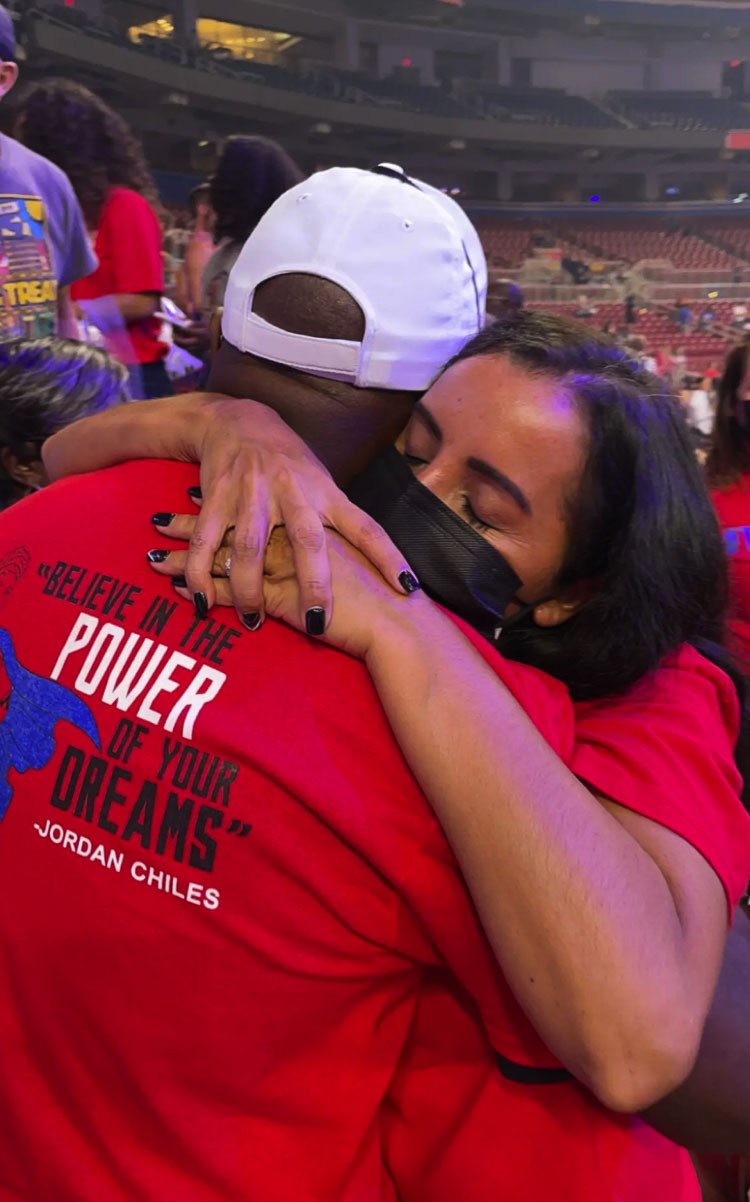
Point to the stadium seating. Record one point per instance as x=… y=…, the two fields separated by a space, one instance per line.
x=546 y=106
x=359 y=88
x=683 y=111
x=509 y=243
x=640 y=239
x=733 y=234
x=702 y=349
x=266 y=74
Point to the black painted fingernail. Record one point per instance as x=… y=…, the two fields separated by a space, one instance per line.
x=252 y=621
x=178 y=582
x=409 y=582
x=315 y=620
x=162 y=519
x=156 y=556
x=200 y=601
x=195 y=492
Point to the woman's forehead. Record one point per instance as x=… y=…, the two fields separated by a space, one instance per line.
x=492 y=394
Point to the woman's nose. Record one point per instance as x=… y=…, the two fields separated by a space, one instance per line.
x=441 y=479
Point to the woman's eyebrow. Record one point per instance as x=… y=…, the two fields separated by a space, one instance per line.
x=421 y=411
x=491 y=473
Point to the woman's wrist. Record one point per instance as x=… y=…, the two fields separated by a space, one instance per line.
x=405 y=626
x=250 y=420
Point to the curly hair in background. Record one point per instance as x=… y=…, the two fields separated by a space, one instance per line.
x=93 y=145
x=251 y=174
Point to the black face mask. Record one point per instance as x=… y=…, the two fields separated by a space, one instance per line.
x=455 y=565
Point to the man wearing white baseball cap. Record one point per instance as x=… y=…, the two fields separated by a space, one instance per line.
x=354 y=289
x=356 y=230
x=221 y=868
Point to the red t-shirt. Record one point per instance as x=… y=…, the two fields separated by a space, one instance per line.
x=128 y=246
x=232 y=910
x=733 y=507
x=662 y=751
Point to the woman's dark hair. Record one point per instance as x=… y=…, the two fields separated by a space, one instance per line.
x=251 y=174
x=729 y=454
x=642 y=530
x=46 y=384
x=92 y=144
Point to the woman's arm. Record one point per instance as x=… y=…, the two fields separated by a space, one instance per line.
x=172 y=428
x=608 y=927
x=256 y=474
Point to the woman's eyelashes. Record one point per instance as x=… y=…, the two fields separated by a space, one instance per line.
x=472 y=517
x=469 y=513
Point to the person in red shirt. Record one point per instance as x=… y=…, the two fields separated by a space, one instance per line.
x=210 y=968
x=651 y=786
x=104 y=162
x=728 y=475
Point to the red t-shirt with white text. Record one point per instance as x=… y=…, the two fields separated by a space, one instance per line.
x=128 y=247
x=230 y=910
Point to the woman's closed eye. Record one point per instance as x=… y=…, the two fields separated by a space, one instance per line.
x=472 y=517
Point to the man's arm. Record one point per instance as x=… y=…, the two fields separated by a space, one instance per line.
x=711 y=1111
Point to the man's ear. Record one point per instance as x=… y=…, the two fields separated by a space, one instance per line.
x=8 y=77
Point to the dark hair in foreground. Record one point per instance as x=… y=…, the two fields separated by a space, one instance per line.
x=93 y=145
x=45 y=385
x=642 y=529
x=250 y=176
x=729 y=455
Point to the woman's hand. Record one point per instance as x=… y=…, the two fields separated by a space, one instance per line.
x=364 y=606
x=256 y=473
x=256 y=476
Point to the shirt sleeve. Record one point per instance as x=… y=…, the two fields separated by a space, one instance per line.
x=77 y=259
x=133 y=238
x=666 y=750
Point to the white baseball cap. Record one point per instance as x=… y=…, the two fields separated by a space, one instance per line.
x=406 y=253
